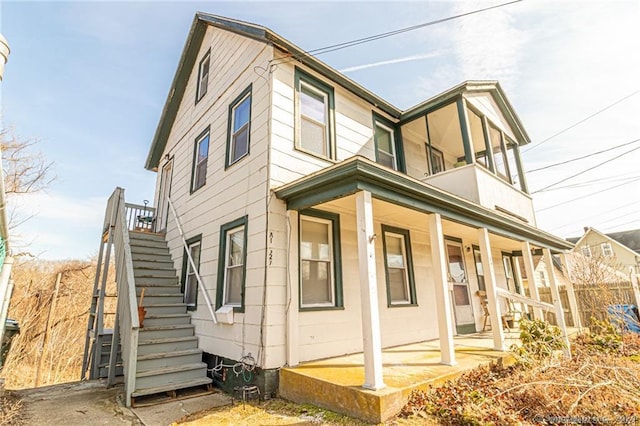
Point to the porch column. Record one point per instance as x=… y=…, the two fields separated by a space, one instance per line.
x=469 y=155
x=371 y=341
x=555 y=295
x=487 y=144
x=292 y=289
x=443 y=301
x=491 y=286
x=573 y=301
x=531 y=279
x=520 y=167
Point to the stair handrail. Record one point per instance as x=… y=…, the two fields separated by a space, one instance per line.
x=201 y=287
x=127 y=324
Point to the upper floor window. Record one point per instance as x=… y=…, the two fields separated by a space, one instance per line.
x=398 y=267
x=200 y=157
x=239 y=127
x=388 y=145
x=586 y=251
x=606 y=249
x=320 y=275
x=203 y=76
x=232 y=264
x=314 y=111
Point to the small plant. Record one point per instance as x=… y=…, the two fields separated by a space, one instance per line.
x=539 y=340
x=604 y=336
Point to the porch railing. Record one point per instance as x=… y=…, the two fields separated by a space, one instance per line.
x=140 y=217
x=126 y=323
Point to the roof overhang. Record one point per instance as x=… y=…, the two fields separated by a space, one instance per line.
x=360 y=174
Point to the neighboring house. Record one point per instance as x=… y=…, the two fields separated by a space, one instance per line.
x=321 y=219
x=621 y=248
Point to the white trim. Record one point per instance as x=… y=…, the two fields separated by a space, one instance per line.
x=228 y=234
x=405 y=269
x=331 y=276
x=392 y=144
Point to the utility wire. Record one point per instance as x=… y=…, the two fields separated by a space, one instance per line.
x=586 y=170
x=588 y=195
x=622 y=224
x=356 y=42
x=583 y=157
x=592 y=182
x=633 y=204
x=532 y=147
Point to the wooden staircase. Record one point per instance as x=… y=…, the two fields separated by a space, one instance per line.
x=168 y=355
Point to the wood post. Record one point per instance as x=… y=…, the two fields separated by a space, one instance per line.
x=555 y=295
x=491 y=285
x=293 y=290
x=531 y=278
x=571 y=294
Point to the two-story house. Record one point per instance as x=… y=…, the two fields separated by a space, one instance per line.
x=321 y=219
x=617 y=250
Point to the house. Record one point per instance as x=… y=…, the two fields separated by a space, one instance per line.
x=620 y=249
x=306 y=217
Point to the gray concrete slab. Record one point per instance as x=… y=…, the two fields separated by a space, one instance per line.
x=168 y=412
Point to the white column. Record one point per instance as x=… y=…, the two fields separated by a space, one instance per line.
x=292 y=290
x=371 y=340
x=443 y=301
x=531 y=279
x=491 y=285
x=555 y=295
x=573 y=301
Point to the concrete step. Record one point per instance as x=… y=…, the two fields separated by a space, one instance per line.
x=166 y=309
x=161 y=299
x=167 y=344
x=168 y=359
x=160 y=320
x=151 y=290
x=153 y=273
x=171 y=386
x=153 y=281
x=153 y=264
x=170 y=375
x=162 y=331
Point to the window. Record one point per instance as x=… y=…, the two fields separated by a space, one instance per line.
x=479 y=269
x=320 y=273
x=436 y=160
x=232 y=265
x=200 y=156
x=314 y=106
x=385 y=145
x=203 y=76
x=512 y=284
x=586 y=251
x=239 y=127
x=189 y=280
x=543 y=279
x=606 y=249
x=398 y=267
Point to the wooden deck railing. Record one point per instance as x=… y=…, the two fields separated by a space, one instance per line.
x=140 y=217
x=127 y=325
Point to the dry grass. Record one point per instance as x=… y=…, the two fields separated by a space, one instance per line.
x=10 y=409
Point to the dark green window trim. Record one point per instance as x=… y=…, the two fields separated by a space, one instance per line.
x=227 y=160
x=185 y=262
x=409 y=260
x=243 y=221
x=337 y=259
x=397 y=141
x=452 y=239
x=200 y=95
x=302 y=76
x=482 y=287
x=204 y=133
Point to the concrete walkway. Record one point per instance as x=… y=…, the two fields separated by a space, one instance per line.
x=91 y=402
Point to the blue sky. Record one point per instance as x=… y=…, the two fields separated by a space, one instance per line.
x=89 y=79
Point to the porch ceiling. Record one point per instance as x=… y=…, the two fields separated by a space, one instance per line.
x=358 y=174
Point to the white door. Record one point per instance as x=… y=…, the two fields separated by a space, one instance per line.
x=459 y=285
x=163 y=197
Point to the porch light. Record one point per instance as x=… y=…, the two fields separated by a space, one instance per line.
x=4 y=54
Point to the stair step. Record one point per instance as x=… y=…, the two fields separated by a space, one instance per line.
x=165 y=375
x=154 y=273
x=133 y=235
x=171 y=386
x=160 y=320
x=152 y=290
x=160 y=256
x=137 y=243
x=167 y=344
x=166 y=309
x=152 y=281
x=167 y=359
x=158 y=332
x=153 y=249
x=161 y=298
x=153 y=264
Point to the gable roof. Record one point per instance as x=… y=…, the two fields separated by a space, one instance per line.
x=264 y=34
x=627 y=240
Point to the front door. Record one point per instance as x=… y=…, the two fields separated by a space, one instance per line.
x=459 y=286
x=163 y=197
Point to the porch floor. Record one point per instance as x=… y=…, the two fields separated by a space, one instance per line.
x=336 y=383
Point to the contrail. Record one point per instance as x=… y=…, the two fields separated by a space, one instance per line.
x=392 y=61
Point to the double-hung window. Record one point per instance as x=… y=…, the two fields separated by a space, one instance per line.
x=606 y=249
x=203 y=76
x=320 y=274
x=239 y=127
x=385 y=146
x=232 y=264
x=189 y=279
x=398 y=266
x=586 y=251
x=200 y=156
x=314 y=106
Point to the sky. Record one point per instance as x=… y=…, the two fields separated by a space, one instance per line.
x=88 y=80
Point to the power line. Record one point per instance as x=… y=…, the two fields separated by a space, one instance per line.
x=532 y=147
x=583 y=157
x=588 y=195
x=591 y=183
x=622 y=224
x=588 y=218
x=586 y=170
x=356 y=42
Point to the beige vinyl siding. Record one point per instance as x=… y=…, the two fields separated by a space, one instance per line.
x=624 y=256
x=228 y=194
